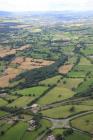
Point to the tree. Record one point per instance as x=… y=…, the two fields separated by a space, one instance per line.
x=72 y=109
x=68 y=131
x=59 y=137
x=2 y=132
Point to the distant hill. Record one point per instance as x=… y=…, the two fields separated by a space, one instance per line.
x=66 y=15
x=5 y=13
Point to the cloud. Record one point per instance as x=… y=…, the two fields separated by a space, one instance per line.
x=42 y=5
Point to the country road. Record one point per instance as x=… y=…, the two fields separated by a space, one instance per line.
x=62 y=102
x=65 y=123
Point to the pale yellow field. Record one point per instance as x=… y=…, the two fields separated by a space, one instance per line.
x=4 y=52
x=65 y=69
x=24 y=64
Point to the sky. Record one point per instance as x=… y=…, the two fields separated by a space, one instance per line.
x=46 y=5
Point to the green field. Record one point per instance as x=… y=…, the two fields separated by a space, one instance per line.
x=34 y=134
x=84 y=61
x=87 y=51
x=70 y=82
x=21 y=102
x=3 y=102
x=78 y=136
x=51 y=81
x=10 y=97
x=88 y=102
x=76 y=74
x=56 y=94
x=75 y=136
x=3 y=113
x=33 y=91
x=85 y=86
x=16 y=132
x=65 y=111
x=84 y=123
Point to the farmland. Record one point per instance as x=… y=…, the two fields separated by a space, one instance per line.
x=84 y=123
x=46 y=76
x=65 y=111
x=56 y=94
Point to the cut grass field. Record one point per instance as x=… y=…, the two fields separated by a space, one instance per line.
x=21 y=102
x=51 y=81
x=16 y=132
x=84 y=123
x=3 y=102
x=33 y=91
x=65 y=111
x=56 y=94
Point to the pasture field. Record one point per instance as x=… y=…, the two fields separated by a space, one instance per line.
x=10 y=97
x=75 y=136
x=76 y=74
x=70 y=82
x=78 y=136
x=3 y=102
x=87 y=51
x=68 y=49
x=21 y=102
x=85 y=86
x=51 y=81
x=84 y=68
x=2 y=66
x=72 y=59
x=84 y=123
x=84 y=61
x=16 y=132
x=34 y=134
x=88 y=102
x=3 y=113
x=65 y=111
x=56 y=94
x=33 y=91
x=4 y=127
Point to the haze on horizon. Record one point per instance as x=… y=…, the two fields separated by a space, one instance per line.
x=46 y=5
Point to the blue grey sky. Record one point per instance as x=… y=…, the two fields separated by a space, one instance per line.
x=45 y=5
